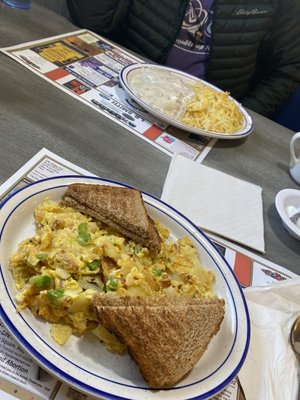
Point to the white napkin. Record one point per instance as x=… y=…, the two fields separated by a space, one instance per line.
x=216 y=202
x=271 y=370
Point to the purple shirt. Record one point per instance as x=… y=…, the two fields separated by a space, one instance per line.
x=188 y=54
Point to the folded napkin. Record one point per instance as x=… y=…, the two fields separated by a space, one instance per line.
x=271 y=370
x=216 y=202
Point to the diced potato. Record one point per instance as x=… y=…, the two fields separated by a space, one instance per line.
x=61 y=333
x=110 y=341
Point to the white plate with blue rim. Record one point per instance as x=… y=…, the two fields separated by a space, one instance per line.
x=84 y=363
x=131 y=72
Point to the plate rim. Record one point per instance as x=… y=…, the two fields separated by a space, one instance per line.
x=249 y=126
x=73 y=381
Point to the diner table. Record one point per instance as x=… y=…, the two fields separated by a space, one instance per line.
x=35 y=114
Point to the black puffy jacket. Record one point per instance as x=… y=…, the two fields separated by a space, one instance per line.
x=255 y=46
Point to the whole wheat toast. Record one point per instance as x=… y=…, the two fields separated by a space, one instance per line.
x=165 y=336
x=121 y=208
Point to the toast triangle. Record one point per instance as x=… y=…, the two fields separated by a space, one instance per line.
x=121 y=208
x=166 y=337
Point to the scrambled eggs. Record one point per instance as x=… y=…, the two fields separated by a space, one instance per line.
x=71 y=257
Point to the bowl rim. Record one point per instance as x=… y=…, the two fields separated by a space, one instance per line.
x=279 y=203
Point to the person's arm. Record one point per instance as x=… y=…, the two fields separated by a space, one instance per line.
x=103 y=17
x=280 y=52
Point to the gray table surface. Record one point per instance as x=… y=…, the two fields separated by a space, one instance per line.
x=35 y=114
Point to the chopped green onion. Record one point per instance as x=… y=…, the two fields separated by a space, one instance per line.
x=112 y=284
x=40 y=280
x=41 y=256
x=137 y=249
x=83 y=237
x=92 y=266
x=83 y=228
x=55 y=294
x=157 y=271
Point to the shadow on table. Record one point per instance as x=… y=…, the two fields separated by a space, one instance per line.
x=226 y=143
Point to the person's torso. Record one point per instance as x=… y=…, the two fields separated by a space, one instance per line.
x=151 y=26
x=238 y=33
x=191 y=49
x=238 y=29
